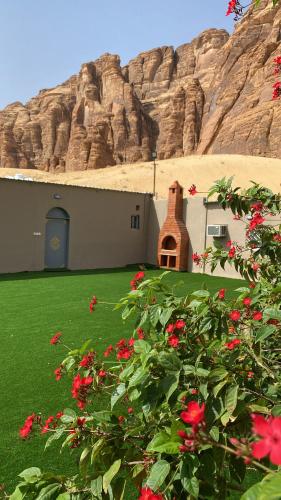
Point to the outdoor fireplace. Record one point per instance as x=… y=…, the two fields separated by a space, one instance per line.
x=173 y=238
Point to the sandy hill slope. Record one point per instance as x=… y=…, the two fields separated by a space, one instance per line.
x=199 y=170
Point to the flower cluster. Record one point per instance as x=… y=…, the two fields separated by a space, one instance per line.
x=234 y=7
x=174 y=329
x=125 y=349
x=27 y=426
x=276 y=90
x=136 y=280
x=192 y=190
x=147 y=494
x=51 y=422
x=80 y=389
x=232 y=344
x=87 y=360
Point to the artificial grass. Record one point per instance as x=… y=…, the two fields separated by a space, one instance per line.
x=34 y=306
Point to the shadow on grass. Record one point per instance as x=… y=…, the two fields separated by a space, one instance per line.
x=29 y=275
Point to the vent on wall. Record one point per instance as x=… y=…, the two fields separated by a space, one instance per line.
x=217 y=231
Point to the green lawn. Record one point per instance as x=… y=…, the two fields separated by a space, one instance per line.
x=34 y=306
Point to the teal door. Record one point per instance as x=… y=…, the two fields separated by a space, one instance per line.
x=56 y=243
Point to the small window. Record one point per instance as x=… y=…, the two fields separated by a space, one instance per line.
x=137 y=208
x=135 y=221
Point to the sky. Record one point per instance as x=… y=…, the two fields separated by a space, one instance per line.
x=44 y=42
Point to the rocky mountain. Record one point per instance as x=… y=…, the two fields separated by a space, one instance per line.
x=212 y=95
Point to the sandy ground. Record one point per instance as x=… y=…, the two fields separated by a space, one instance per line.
x=199 y=170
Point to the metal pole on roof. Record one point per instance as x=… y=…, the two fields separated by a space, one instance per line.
x=154 y=156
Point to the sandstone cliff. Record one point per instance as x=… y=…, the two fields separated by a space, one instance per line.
x=212 y=95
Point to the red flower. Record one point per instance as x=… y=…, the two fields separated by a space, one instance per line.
x=125 y=353
x=131 y=342
x=250 y=374
x=140 y=333
x=87 y=360
x=102 y=373
x=235 y=315
x=270 y=444
x=173 y=341
x=192 y=190
x=147 y=494
x=194 y=414
x=80 y=388
x=194 y=391
x=133 y=284
x=276 y=90
x=247 y=301
x=277 y=237
x=231 y=345
x=252 y=285
x=196 y=258
x=55 y=339
x=121 y=343
x=130 y=410
x=108 y=350
x=257 y=315
x=46 y=427
x=180 y=324
x=170 y=328
x=256 y=221
x=27 y=426
x=121 y=419
x=221 y=293
x=139 y=276
x=229 y=243
x=93 y=303
x=58 y=373
x=231 y=252
x=255 y=266
x=59 y=415
x=257 y=207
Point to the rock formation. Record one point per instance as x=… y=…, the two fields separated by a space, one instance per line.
x=212 y=95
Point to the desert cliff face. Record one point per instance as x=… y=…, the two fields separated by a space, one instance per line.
x=212 y=95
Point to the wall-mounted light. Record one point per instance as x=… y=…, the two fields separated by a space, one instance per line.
x=57 y=196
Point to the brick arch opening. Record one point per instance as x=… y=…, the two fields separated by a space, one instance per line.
x=169 y=243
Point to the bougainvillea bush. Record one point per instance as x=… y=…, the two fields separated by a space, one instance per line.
x=192 y=400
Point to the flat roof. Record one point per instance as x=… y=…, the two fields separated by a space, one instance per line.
x=27 y=181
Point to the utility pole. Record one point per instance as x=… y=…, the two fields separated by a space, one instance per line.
x=154 y=156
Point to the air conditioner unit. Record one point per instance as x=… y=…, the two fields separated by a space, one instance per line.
x=217 y=231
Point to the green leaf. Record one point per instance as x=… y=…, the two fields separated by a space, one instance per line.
x=231 y=398
x=142 y=347
x=192 y=486
x=96 y=487
x=50 y=492
x=271 y=313
x=169 y=384
x=97 y=447
x=17 y=495
x=219 y=387
x=158 y=474
x=165 y=316
x=102 y=416
x=85 y=459
x=64 y=496
x=268 y=489
x=201 y=294
x=109 y=475
x=118 y=394
x=139 y=377
x=32 y=472
x=276 y=411
x=215 y=433
x=162 y=443
x=54 y=437
x=264 y=332
x=170 y=361
x=218 y=374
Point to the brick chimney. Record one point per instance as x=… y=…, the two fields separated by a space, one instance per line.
x=173 y=237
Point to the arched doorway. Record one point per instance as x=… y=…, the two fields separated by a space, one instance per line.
x=56 y=242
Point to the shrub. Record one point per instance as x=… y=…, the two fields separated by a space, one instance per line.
x=192 y=399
